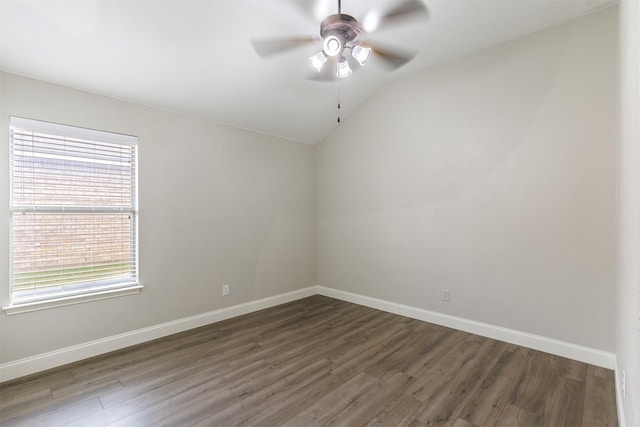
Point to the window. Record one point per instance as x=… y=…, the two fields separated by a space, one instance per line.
x=73 y=213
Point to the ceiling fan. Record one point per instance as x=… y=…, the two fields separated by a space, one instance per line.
x=345 y=45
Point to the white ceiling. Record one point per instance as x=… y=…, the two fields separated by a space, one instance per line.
x=195 y=57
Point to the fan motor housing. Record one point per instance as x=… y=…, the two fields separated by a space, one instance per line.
x=346 y=27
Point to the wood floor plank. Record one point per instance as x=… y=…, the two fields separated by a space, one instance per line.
x=85 y=388
x=399 y=412
x=533 y=388
x=494 y=391
x=599 y=401
x=444 y=406
x=363 y=408
x=316 y=361
x=373 y=354
x=572 y=369
x=154 y=406
x=64 y=414
x=181 y=411
x=182 y=363
x=288 y=376
x=370 y=326
x=273 y=390
x=12 y=406
x=444 y=368
x=459 y=422
x=402 y=358
x=444 y=341
x=326 y=408
x=41 y=410
x=172 y=394
x=156 y=387
x=12 y=390
x=140 y=356
x=567 y=403
x=284 y=409
x=511 y=416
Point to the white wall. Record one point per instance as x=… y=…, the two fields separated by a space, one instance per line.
x=493 y=176
x=628 y=302
x=217 y=205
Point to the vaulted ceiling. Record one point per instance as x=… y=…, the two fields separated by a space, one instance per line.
x=195 y=57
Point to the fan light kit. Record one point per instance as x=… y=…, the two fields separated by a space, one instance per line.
x=340 y=33
x=345 y=43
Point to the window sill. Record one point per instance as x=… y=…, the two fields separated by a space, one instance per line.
x=76 y=299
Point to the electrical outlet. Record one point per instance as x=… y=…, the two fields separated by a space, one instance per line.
x=446 y=295
x=225 y=290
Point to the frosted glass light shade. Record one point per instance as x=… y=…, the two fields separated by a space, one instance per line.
x=343 y=68
x=318 y=60
x=361 y=54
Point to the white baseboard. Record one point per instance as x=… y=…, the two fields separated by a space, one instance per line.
x=41 y=362
x=548 y=345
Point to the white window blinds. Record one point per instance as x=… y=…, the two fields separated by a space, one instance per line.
x=73 y=211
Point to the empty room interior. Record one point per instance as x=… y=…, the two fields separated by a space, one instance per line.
x=326 y=212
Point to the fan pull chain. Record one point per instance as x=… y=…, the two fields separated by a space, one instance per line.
x=338 y=107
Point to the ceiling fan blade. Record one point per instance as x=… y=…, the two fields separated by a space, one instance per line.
x=306 y=8
x=407 y=9
x=392 y=58
x=266 y=47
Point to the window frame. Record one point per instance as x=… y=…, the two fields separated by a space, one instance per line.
x=91 y=290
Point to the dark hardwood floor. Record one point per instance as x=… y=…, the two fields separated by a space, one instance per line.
x=316 y=361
